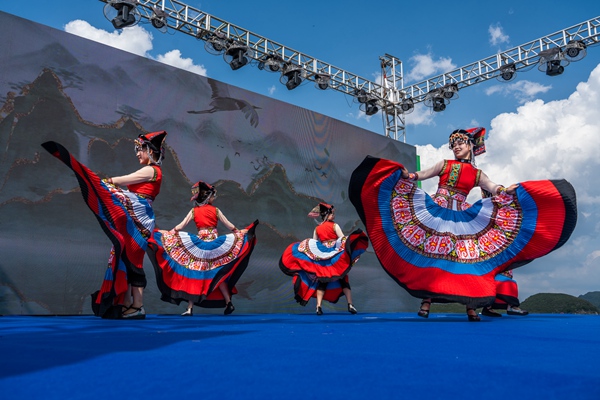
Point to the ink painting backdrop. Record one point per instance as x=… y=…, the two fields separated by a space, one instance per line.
x=269 y=160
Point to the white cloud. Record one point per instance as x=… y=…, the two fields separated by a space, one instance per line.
x=553 y=140
x=421 y=115
x=272 y=89
x=361 y=115
x=497 y=35
x=424 y=65
x=134 y=40
x=174 y=59
x=523 y=91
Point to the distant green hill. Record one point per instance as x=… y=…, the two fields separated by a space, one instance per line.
x=558 y=303
x=592 y=297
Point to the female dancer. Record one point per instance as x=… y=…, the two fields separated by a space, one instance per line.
x=442 y=249
x=189 y=267
x=127 y=218
x=320 y=265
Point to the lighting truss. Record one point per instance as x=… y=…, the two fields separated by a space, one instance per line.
x=521 y=57
x=392 y=97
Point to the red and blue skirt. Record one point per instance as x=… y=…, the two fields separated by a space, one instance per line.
x=454 y=256
x=127 y=220
x=306 y=285
x=507 y=292
x=311 y=262
x=191 y=269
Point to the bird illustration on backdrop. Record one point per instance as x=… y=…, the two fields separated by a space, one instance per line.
x=222 y=101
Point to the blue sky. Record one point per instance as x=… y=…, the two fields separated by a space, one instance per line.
x=539 y=127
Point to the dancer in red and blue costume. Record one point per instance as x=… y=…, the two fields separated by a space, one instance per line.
x=320 y=266
x=127 y=218
x=442 y=249
x=201 y=269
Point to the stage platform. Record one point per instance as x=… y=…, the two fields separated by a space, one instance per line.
x=301 y=356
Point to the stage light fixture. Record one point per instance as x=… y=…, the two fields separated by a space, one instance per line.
x=552 y=61
x=159 y=19
x=436 y=100
x=407 y=106
x=361 y=95
x=507 y=72
x=270 y=63
x=553 y=68
x=235 y=56
x=450 y=91
x=216 y=43
x=322 y=81
x=293 y=80
x=371 y=107
x=126 y=13
x=575 y=50
x=293 y=76
x=439 y=104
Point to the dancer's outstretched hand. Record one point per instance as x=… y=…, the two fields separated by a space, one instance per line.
x=512 y=188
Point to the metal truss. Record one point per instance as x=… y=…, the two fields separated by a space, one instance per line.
x=551 y=47
x=391 y=96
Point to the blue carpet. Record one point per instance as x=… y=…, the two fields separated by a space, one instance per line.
x=301 y=356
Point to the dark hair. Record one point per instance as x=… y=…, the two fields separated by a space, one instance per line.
x=204 y=194
x=325 y=212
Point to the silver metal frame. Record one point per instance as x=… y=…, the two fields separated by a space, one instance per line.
x=390 y=95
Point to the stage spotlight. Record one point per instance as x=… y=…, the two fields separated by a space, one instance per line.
x=407 y=106
x=235 y=56
x=572 y=52
x=270 y=63
x=575 y=50
x=450 y=91
x=439 y=104
x=126 y=13
x=322 y=81
x=508 y=72
x=552 y=61
x=361 y=95
x=159 y=19
x=293 y=75
x=553 y=68
x=436 y=99
x=371 y=107
x=216 y=43
x=293 y=80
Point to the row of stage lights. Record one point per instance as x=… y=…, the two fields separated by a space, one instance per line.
x=552 y=61
x=124 y=13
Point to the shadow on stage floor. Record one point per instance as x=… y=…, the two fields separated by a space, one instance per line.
x=302 y=356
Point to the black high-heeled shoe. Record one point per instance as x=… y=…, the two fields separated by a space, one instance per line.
x=229 y=308
x=423 y=313
x=473 y=318
x=490 y=312
x=319 y=310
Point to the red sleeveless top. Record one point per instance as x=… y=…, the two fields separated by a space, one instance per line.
x=205 y=216
x=459 y=176
x=326 y=232
x=151 y=188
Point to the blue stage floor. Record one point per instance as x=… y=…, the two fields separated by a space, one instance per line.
x=301 y=356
